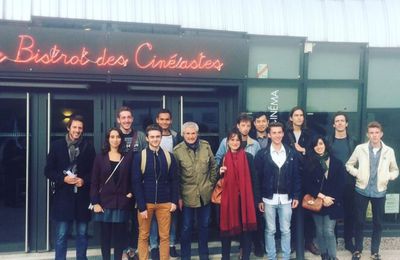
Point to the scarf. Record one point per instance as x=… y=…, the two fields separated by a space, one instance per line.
x=73 y=147
x=323 y=160
x=194 y=145
x=238 y=212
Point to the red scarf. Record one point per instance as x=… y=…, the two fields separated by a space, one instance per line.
x=238 y=212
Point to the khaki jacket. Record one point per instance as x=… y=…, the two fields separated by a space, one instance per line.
x=197 y=173
x=387 y=166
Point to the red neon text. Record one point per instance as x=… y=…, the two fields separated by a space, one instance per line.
x=175 y=61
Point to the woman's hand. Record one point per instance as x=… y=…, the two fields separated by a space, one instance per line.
x=97 y=208
x=222 y=170
x=328 y=201
x=129 y=195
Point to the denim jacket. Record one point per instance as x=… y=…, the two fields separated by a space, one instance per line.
x=252 y=148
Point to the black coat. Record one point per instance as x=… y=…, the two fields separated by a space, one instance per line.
x=266 y=169
x=67 y=205
x=112 y=195
x=333 y=186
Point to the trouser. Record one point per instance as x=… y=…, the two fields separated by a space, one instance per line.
x=349 y=214
x=117 y=231
x=378 y=209
x=284 y=212
x=163 y=216
x=133 y=230
x=203 y=220
x=325 y=232
x=62 y=232
x=245 y=244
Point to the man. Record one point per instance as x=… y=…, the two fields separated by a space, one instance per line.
x=243 y=124
x=169 y=139
x=260 y=122
x=69 y=165
x=298 y=136
x=376 y=166
x=277 y=167
x=342 y=145
x=155 y=186
x=134 y=141
x=198 y=176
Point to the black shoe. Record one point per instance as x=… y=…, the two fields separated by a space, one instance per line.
x=376 y=256
x=356 y=255
x=312 y=248
x=155 y=254
x=172 y=252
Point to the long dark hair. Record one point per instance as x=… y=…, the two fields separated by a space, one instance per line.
x=106 y=146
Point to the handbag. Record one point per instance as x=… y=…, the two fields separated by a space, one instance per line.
x=217 y=192
x=311 y=203
x=219 y=188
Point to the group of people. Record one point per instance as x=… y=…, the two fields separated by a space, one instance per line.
x=140 y=182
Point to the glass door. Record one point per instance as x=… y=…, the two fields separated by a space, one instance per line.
x=14 y=171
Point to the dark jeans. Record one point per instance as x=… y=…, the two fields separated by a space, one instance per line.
x=378 y=208
x=133 y=230
x=349 y=214
x=245 y=244
x=258 y=235
x=116 y=231
x=62 y=232
x=203 y=220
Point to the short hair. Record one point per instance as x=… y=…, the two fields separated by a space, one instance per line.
x=258 y=115
x=153 y=127
x=244 y=117
x=294 y=109
x=106 y=146
x=190 y=125
x=276 y=124
x=375 y=124
x=234 y=132
x=340 y=113
x=124 y=108
x=75 y=118
x=164 y=111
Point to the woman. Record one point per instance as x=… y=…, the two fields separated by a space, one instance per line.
x=325 y=179
x=110 y=193
x=239 y=197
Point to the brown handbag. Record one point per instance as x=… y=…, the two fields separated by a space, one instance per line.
x=311 y=203
x=217 y=192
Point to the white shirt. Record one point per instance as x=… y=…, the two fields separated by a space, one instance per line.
x=279 y=157
x=167 y=143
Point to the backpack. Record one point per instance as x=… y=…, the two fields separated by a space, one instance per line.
x=144 y=159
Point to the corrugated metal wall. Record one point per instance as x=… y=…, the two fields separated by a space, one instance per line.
x=373 y=21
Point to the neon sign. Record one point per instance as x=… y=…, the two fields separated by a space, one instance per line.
x=28 y=53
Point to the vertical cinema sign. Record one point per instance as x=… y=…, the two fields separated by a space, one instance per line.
x=143 y=57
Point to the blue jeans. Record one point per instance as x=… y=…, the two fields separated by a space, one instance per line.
x=62 y=232
x=203 y=220
x=325 y=229
x=285 y=214
x=154 y=231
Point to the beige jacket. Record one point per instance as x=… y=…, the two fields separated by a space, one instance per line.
x=387 y=166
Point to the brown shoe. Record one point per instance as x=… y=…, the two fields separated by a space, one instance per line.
x=312 y=248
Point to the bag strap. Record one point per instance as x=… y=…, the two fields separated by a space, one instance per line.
x=144 y=159
x=112 y=173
